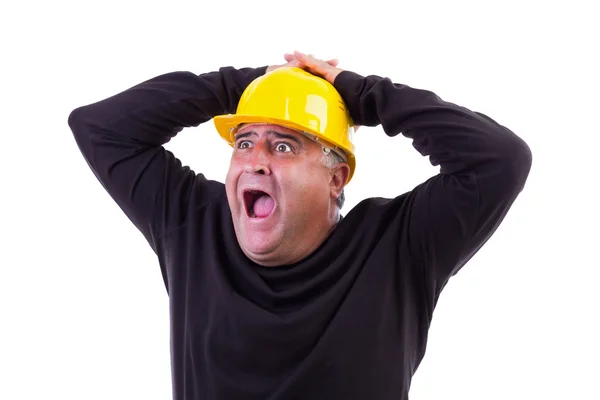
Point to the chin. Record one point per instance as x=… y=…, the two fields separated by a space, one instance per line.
x=263 y=257
x=259 y=246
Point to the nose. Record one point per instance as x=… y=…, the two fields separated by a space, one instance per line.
x=258 y=161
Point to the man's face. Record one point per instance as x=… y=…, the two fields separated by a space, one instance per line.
x=280 y=193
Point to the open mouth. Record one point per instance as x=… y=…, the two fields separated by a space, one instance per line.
x=258 y=204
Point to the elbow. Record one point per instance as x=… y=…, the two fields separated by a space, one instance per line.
x=81 y=125
x=514 y=166
x=81 y=121
x=77 y=119
x=521 y=161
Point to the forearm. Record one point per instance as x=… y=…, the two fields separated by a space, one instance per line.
x=154 y=111
x=457 y=139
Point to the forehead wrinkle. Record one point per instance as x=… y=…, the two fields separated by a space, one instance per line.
x=277 y=131
x=289 y=136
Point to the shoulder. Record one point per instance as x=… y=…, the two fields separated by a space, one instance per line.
x=378 y=208
x=207 y=191
x=374 y=218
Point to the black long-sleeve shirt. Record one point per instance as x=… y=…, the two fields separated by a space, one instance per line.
x=351 y=320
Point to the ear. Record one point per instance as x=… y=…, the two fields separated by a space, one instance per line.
x=339 y=176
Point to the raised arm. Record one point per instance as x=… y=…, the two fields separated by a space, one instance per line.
x=483 y=167
x=121 y=139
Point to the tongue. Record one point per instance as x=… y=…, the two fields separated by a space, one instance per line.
x=263 y=206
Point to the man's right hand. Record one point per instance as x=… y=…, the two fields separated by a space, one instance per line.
x=292 y=61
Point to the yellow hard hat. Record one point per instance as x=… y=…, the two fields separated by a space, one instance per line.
x=299 y=100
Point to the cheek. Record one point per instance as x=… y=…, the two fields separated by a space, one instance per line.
x=303 y=184
x=231 y=180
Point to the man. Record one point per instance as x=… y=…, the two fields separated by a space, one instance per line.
x=273 y=295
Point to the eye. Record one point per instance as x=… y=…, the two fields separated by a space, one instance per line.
x=244 y=144
x=284 y=147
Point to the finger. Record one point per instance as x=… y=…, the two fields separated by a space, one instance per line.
x=316 y=65
x=333 y=62
x=289 y=57
x=306 y=59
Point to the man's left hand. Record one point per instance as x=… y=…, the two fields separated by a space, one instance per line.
x=325 y=69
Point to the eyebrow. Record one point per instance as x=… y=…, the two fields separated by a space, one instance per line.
x=271 y=133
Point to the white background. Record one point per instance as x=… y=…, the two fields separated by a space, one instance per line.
x=83 y=310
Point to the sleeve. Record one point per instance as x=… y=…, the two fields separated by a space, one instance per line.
x=122 y=139
x=483 y=168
